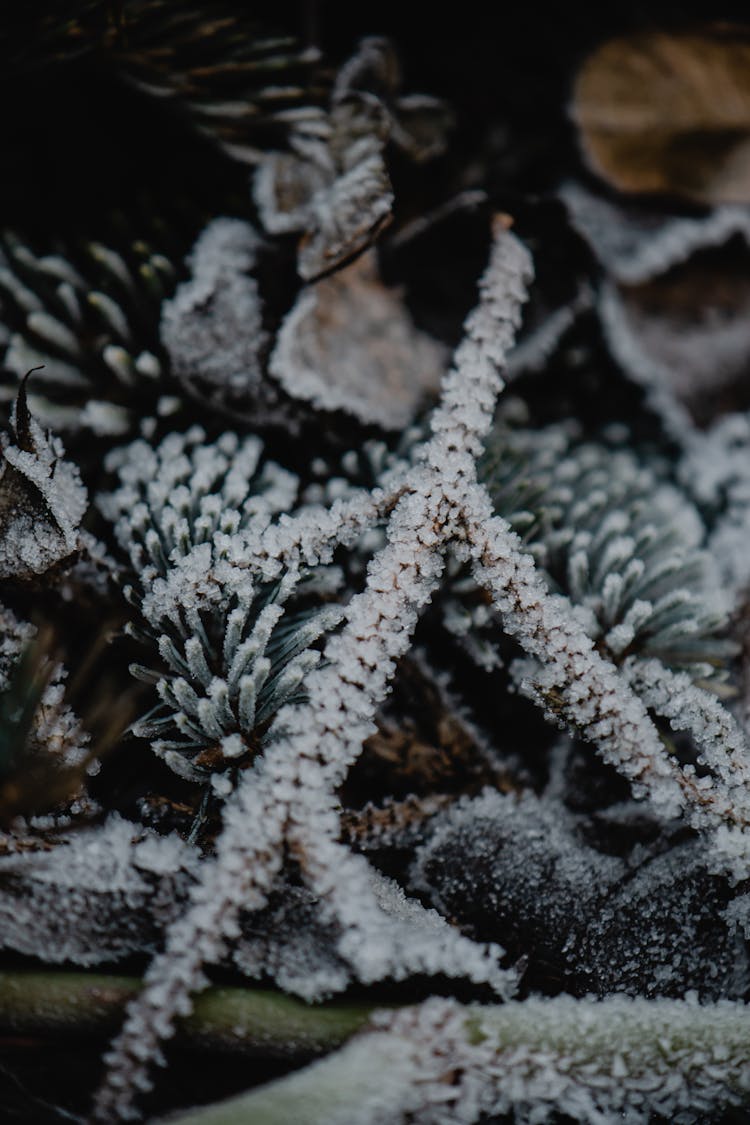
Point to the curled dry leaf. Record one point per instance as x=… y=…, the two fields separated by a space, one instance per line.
x=688 y=333
x=42 y=499
x=212 y=327
x=675 y=305
x=669 y=113
x=333 y=187
x=349 y=344
x=635 y=243
x=213 y=331
x=418 y=123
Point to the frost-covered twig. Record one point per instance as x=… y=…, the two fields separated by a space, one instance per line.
x=283 y=795
x=721 y=796
x=536 y=349
x=574 y=679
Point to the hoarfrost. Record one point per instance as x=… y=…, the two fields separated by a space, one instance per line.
x=99 y=896
x=287 y=796
x=333 y=185
x=55 y=736
x=226 y=655
x=716 y=468
x=621 y=541
x=212 y=328
x=674 y=322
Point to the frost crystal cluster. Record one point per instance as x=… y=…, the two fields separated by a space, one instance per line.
x=380 y=631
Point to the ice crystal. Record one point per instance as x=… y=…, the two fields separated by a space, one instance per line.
x=333 y=185
x=97 y=896
x=289 y=794
x=647 y=924
x=715 y=469
x=635 y=244
x=51 y=733
x=674 y=320
x=187 y=492
x=319 y=790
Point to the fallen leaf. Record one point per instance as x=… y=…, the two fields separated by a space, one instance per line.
x=349 y=344
x=669 y=113
x=687 y=333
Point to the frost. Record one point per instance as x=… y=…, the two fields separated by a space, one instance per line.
x=307 y=952
x=715 y=467
x=520 y=869
x=684 y=353
x=290 y=943
x=42 y=499
x=618 y=1060
x=287 y=795
x=598 y=1063
x=99 y=896
x=187 y=492
x=418 y=123
x=212 y=328
x=545 y=334
x=54 y=738
x=619 y=540
x=514 y=857
x=348 y=344
x=674 y=320
x=333 y=186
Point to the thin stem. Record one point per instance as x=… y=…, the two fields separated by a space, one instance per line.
x=243 y=1020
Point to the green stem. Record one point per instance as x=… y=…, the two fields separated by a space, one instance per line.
x=593 y=1060
x=225 y=1019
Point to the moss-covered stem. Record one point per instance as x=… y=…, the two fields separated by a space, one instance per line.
x=617 y=1058
x=224 y=1019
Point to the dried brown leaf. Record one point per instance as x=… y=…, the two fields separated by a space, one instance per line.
x=669 y=113
x=349 y=344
